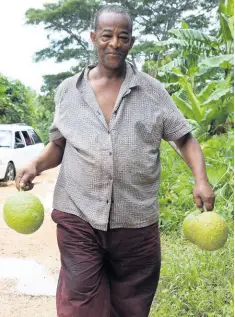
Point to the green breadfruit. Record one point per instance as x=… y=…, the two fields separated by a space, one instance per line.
x=208 y=230
x=23 y=212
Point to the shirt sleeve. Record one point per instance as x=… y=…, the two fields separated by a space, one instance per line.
x=54 y=131
x=175 y=125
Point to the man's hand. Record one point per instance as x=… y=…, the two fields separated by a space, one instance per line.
x=25 y=177
x=203 y=195
x=50 y=157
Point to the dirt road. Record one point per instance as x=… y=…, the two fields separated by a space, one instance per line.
x=29 y=264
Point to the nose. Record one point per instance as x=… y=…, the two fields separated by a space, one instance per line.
x=114 y=42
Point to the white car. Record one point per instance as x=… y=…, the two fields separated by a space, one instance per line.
x=19 y=144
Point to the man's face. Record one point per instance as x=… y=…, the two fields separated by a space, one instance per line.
x=113 y=39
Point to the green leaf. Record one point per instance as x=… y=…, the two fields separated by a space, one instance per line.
x=231 y=26
x=206 y=92
x=225 y=29
x=195 y=35
x=224 y=84
x=184 y=25
x=198 y=130
x=216 y=95
x=216 y=175
x=185 y=107
x=230 y=7
x=177 y=62
x=216 y=61
x=196 y=108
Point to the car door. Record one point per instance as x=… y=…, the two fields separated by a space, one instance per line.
x=38 y=145
x=19 y=149
x=29 y=151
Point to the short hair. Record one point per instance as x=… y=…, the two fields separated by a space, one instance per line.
x=113 y=8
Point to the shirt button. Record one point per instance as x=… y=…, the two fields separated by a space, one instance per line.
x=107 y=201
x=110 y=153
x=110 y=177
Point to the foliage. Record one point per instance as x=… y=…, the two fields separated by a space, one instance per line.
x=70 y=18
x=67 y=22
x=19 y=104
x=53 y=81
x=16 y=102
x=175 y=192
x=44 y=113
x=197 y=70
x=193 y=282
x=157 y=17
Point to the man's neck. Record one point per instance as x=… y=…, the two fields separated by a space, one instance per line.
x=101 y=72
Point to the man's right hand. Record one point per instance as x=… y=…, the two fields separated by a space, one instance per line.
x=50 y=157
x=25 y=177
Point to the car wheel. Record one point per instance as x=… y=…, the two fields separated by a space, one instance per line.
x=10 y=173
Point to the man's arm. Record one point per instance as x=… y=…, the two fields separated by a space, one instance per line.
x=193 y=156
x=50 y=157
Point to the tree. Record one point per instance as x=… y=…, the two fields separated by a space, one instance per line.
x=53 y=81
x=158 y=17
x=67 y=21
x=44 y=112
x=197 y=70
x=16 y=102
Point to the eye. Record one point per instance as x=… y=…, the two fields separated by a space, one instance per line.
x=106 y=35
x=124 y=38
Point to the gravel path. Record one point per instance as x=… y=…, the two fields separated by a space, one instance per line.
x=29 y=264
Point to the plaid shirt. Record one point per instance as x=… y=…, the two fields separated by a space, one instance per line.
x=111 y=174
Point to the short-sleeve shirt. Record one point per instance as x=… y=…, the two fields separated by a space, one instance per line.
x=110 y=174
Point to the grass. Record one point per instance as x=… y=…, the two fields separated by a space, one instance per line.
x=194 y=282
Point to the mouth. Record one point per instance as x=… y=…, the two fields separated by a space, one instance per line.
x=114 y=54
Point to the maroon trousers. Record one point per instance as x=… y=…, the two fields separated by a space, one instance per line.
x=110 y=273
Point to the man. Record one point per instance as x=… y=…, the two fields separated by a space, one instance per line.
x=108 y=125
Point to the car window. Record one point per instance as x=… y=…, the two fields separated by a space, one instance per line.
x=35 y=136
x=5 y=138
x=18 y=138
x=27 y=138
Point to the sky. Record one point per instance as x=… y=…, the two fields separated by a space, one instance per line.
x=19 y=42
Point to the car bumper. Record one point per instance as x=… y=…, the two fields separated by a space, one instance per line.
x=3 y=169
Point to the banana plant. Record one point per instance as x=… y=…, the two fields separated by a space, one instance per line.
x=197 y=70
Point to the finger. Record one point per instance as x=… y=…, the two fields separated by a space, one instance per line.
x=209 y=204
x=26 y=181
x=198 y=202
x=17 y=181
x=27 y=177
x=27 y=186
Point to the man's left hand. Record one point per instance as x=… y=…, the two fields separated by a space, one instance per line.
x=203 y=195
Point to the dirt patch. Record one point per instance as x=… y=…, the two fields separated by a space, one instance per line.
x=27 y=306
x=29 y=264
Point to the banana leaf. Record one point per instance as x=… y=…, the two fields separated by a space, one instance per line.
x=217 y=61
x=195 y=104
x=194 y=35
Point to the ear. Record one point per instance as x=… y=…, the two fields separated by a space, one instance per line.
x=132 y=41
x=93 y=37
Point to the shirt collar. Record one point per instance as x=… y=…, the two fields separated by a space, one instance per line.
x=130 y=80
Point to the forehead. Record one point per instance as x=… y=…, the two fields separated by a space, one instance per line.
x=111 y=20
